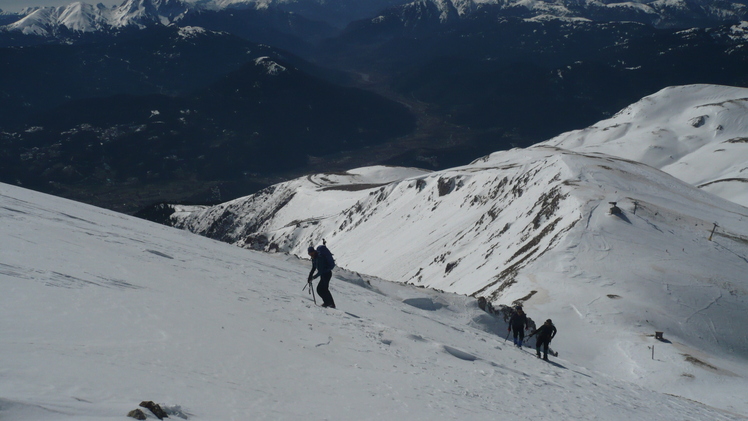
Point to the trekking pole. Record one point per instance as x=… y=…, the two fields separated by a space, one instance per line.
x=508 y=332
x=311 y=290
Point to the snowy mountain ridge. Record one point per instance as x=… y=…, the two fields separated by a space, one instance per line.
x=697 y=133
x=76 y=16
x=534 y=226
x=660 y=13
x=83 y=17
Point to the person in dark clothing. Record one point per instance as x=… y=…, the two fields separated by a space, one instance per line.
x=324 y=272
x=518 y=323
x=544 y=335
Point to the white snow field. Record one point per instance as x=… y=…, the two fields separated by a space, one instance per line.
x=698 y=133
x=100 y=311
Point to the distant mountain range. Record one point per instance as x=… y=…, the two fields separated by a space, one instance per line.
x=87 y=18
x=83 y=17
x=83 y=23
x=676 y=13
x=431 y=84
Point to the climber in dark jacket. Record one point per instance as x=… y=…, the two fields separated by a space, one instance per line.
x=545 y=333
x=518 y=323
x=324 y=272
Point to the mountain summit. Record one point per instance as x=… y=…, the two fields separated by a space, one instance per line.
x=144 y=12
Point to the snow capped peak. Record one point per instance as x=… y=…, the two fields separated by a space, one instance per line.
x=223 y=4
x=37 y=21
x=739 y=32
x=272 y=68
x=191 y=31
x=76 y=16
x=664 y=13
x=28 y=10
x=86 y=18
x=83 y=17
x=141 y=12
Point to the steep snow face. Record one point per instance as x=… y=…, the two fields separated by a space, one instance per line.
x=41 y=22
x=697 y=133
x=83 y=17
x=100 y=311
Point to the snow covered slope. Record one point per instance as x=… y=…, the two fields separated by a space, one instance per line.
x=101 y=311
x=78 y=16
x=533 y=226
x=698 y=133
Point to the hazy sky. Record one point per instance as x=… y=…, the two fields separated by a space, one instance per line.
x=17 y=5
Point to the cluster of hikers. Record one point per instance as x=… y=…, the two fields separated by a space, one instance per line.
x=519 y=324
x=323 y=263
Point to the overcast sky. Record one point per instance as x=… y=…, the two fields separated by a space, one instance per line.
x=17 y=5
